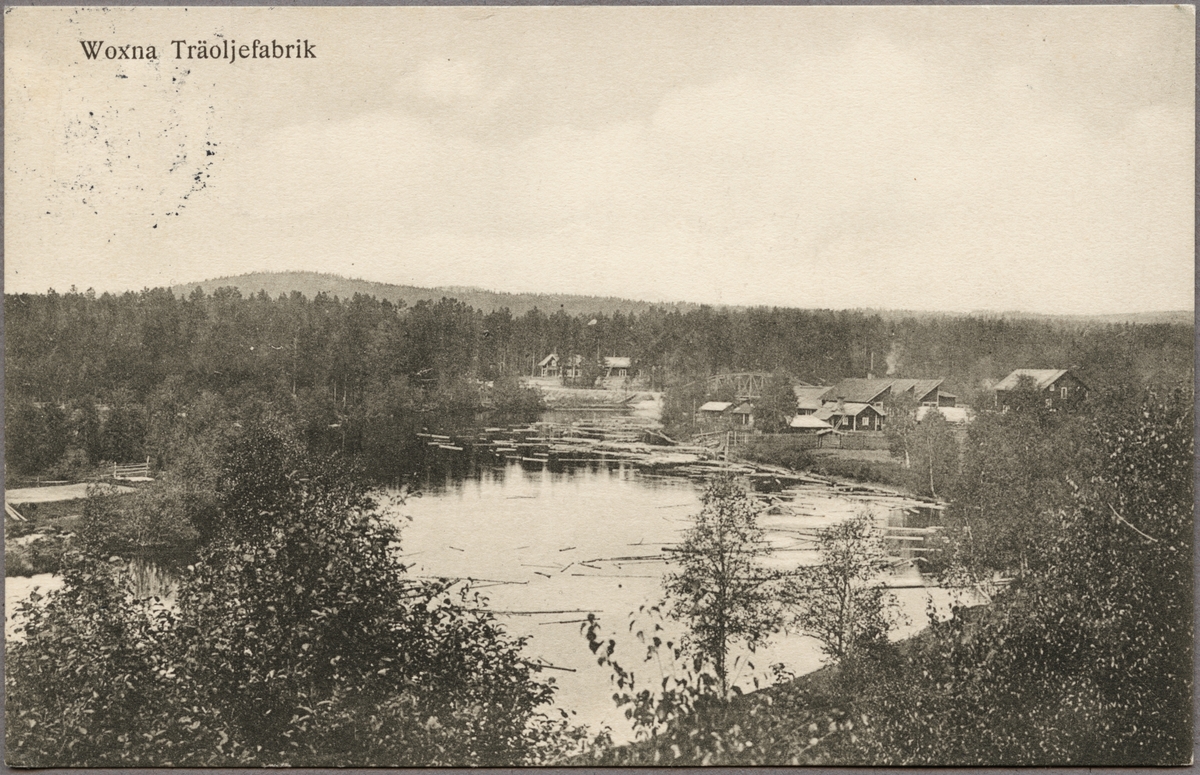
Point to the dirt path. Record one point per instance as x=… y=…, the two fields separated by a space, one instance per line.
x=60 y=492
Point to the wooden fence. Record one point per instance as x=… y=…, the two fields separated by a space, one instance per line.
x=132 y=471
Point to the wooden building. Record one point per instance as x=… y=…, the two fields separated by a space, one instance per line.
x=570 y=367
x=1058 y=388
x=852 y=416
x=808 y=397
x=926 y=392
x=713 y=410
x=808 y=423
x=743 y=414
x=616 y=366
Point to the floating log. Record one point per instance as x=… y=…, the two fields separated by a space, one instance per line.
x=530 y=613
x=614 y=576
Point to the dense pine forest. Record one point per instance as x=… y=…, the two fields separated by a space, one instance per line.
x=345 y=364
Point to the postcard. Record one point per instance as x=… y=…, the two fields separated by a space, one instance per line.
x=599 y=386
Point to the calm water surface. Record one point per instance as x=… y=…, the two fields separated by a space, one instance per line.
x=549 y=542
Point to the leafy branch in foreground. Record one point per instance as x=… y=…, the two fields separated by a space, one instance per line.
x=297 y=639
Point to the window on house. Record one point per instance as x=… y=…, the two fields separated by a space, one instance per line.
x=1063 y=392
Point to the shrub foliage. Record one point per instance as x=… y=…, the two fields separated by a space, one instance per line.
x=296 y=639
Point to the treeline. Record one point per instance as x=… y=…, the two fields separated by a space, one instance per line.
x=343 y=361
x=60 y=347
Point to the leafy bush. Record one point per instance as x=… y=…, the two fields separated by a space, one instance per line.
x=95 y=679
x=156 y=517
x=298 y=640
x=1088 y=661
x=789 y=452
x=869 y=472
x=684 y=720
x=509 y=396
x=1017 y=474
x=668 y=717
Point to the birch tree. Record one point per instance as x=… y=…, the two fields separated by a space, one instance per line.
x=840 y=601
x=721 y=590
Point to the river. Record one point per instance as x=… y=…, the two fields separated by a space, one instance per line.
x=549 y=540
x=551 y=525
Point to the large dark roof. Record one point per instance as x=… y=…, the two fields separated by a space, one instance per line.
x=864 y=391
x=859 y=391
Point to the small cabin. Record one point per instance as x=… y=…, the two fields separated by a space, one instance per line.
x=570 y=367
x=1058 y=388
x=550 y=366
x=713 y=410
x=616 y=366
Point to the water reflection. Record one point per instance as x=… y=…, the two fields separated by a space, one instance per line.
x=550 y=539
x=156 y=575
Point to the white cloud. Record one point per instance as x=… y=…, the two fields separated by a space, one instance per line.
x=871 y=171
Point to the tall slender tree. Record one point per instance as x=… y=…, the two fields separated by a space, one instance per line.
x=721 y=589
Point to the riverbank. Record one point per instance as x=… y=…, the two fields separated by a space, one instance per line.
x=555 y=395
x=805 y=721
x=41 y=523
x=867 y=466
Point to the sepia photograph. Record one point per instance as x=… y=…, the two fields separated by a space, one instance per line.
x=599 y=386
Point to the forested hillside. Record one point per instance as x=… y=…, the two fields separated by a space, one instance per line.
x=339 y=360
x=312 y=283
x=251 y=405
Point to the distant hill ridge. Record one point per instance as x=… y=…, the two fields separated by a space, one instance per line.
x=312 y=283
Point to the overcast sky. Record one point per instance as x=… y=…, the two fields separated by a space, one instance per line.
x=1006 y=158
